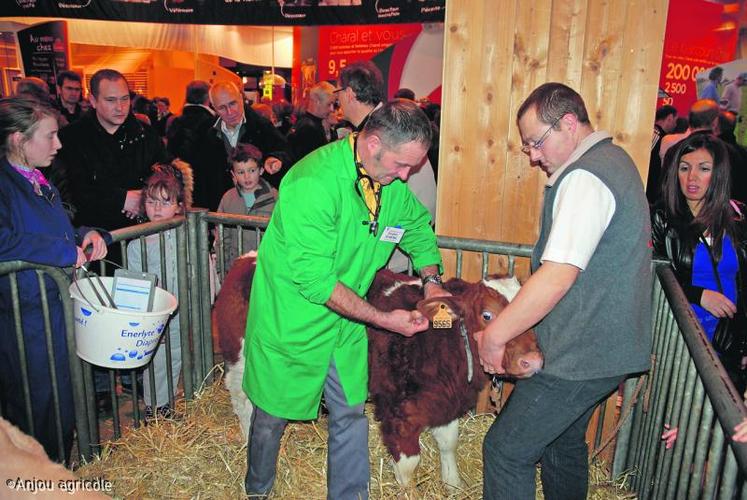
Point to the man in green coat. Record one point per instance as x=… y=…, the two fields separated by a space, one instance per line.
x=340 y=213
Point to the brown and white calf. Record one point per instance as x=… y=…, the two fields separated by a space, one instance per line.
x=423 y=382
x=431 y=379
x=229 y=329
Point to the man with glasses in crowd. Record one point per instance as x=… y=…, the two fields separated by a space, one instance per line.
x=588 y=300
x=341 y=212
x=361 y=91
x=237 y=123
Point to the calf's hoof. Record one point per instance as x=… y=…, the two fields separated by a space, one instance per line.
x=404 y=468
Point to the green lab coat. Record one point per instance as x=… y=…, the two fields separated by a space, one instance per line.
x=316 y=237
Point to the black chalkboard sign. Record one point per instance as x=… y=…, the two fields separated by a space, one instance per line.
x=44 y=51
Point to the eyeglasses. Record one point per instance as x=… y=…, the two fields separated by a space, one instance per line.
x=526 y=148
x=159 y=203
x=338 y=90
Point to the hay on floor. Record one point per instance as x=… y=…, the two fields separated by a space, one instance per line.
x=203 y=455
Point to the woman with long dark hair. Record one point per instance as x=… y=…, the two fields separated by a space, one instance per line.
x=704 y=234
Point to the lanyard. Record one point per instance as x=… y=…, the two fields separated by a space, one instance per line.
x=368 y=189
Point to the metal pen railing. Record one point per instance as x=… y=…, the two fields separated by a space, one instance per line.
x=485 y=248
x=687 y=386
x=80 y=377
x=125 y=237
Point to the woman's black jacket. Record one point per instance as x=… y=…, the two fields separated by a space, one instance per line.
x=676 y=235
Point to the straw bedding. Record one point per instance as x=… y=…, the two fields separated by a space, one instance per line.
x=202 y=455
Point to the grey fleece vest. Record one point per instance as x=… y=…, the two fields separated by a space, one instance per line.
x=602 y=327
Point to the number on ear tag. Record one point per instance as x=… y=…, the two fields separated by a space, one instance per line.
x=442 y=318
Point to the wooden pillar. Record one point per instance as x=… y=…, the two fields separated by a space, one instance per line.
x=496 y=53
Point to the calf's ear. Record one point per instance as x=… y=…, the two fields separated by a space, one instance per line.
x=430 y=307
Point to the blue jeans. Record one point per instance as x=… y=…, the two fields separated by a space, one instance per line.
x=544 y=421
x=347 y=461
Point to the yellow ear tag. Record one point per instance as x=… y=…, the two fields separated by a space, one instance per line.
x=442 y=319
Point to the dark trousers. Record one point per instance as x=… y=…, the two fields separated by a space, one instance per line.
x=347 y=461
x=57 y=442
x=544 y=421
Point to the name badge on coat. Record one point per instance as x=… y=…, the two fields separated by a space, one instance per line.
x=392 y=234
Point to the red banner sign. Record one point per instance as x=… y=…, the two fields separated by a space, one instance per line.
x=698 y=36
x=341 y=45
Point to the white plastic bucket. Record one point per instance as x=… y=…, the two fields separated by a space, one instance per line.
x=114 y=338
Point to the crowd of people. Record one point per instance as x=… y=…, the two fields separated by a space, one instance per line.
x=116 y=158
x=329 y=179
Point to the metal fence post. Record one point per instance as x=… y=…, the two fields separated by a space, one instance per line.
x=84 y=419
x=205 y=328
x=195 y=298
x=186 y=318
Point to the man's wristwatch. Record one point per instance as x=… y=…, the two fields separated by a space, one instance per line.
x=432 y=278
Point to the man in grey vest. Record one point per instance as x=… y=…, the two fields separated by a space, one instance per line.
x=589 y=300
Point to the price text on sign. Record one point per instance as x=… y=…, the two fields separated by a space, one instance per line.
x=683 y=73
x=336 y=65
x=677 y=77
x=675 y=88
x=679 y=71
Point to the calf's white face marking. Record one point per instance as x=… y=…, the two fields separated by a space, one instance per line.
x=250 y=253
x=389 y=291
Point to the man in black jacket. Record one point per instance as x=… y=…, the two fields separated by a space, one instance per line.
x=189 y=131
x=237 y=124
x=666 y=119
x=108 y=155
x=309 y=133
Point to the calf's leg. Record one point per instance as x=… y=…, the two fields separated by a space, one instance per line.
x=404 y=468
x=242 y=407
x=401 y=436
x=447 y=437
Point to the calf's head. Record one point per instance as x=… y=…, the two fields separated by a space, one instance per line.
x=478 y=305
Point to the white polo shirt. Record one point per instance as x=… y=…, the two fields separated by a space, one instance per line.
x=582 y=210
x=232 y=135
